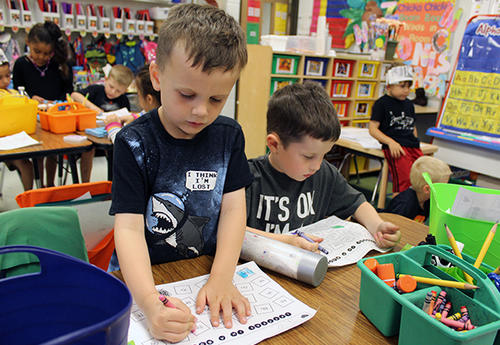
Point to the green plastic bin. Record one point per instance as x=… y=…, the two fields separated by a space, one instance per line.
x=278 y=83
x=393 y=313
x=470 y=232
x=285 y=64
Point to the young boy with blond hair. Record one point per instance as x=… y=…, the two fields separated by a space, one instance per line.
x=110 y=96
x=180 y=172
x=293 y=185
x=413 y=203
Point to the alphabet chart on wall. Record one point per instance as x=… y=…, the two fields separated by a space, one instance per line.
x=274 y=311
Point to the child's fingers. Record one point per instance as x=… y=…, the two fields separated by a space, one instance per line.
x=242 y=308
x=201 y=301
x=227 y=313
x=214 y=314
x=315 y=238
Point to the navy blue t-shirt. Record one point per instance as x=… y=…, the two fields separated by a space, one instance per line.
x=97 y=95
x=177 y=184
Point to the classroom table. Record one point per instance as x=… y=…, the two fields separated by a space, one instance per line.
x=355 y=148
x=338 y=319
x=50 y=144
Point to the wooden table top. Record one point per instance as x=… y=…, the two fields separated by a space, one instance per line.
x=420 y=110
x=338 y=319
x=50 y=143
x=426 y=148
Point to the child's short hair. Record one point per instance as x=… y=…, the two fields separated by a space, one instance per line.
x=143 y=83
x=437 y=169
x=298 y=110
x=211 y=38
x=121 y=74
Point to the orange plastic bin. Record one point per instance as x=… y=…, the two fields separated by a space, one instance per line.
x=67 y=117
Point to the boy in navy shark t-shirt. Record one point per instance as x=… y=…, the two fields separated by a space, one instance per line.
x=181 y=171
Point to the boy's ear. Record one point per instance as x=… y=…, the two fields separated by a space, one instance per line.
x=273 y=141
x=154 y=72
x=427 y=190
x=149 y=99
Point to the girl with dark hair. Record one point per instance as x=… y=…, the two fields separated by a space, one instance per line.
x=44 y=73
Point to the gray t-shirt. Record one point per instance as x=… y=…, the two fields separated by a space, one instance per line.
x=276 y=203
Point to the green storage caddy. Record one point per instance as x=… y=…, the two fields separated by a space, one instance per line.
x=470 y=232
x=285 y=64
x=394 y=313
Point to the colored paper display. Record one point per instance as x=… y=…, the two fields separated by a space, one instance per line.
x=473 y=99
x=424 y=40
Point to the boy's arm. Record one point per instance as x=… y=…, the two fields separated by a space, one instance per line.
x=172 y=324
x=292 y=240
x=78 y=97
x=386 y=234
x=394 y=146
x=219 y=292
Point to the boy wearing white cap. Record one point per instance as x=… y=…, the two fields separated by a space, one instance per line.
x=392 y=123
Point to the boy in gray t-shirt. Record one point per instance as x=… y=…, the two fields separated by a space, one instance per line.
x=293 y=186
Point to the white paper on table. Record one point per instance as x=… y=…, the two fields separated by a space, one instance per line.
x=346 y=242
x=274 y=311
x=16 y=141
x=469 y=204
x=120 y=113
x=361 y=136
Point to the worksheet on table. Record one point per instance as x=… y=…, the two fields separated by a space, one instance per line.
x=274 y=311
x=346 y=242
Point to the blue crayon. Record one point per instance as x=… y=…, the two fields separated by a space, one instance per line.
x=304 y=236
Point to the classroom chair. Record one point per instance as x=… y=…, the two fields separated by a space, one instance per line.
x=100 y=255
x=56 y=228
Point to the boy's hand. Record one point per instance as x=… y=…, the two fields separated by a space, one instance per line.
x=127 y=119
x=396 y=149
x=171 y=324
x=111 y=118
x=300 y=242
x=222 y=295
x=387 y=235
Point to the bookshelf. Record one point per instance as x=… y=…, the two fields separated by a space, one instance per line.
x=353 y=82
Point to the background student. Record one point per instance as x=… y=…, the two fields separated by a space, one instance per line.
x=147 y=96
x=45 y=74
x=103 y=98
x=24 y=166
x=293 y=185
x=180 y=171
x=413 y=203
x=392 y=123
x=110 y=96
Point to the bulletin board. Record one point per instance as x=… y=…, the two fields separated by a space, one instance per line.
x=472 y=101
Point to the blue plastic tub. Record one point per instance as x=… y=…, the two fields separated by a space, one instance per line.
x=67 y=302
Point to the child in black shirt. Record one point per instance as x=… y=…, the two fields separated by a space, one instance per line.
x=110 y=96
x=413 y=203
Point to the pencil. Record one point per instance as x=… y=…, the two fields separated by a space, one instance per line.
x=485 y=246
x=440 y=282
x=456 y=250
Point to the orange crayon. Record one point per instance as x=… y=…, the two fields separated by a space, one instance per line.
x=433 y=301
